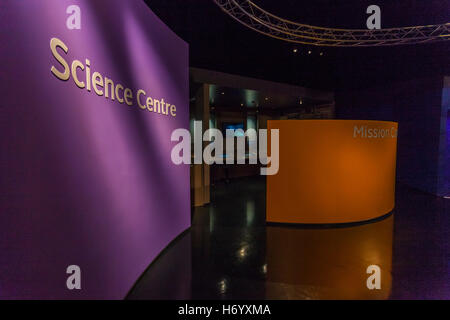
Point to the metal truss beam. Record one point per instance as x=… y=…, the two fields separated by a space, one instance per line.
x=256 y=18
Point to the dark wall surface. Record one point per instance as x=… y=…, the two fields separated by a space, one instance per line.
x=417 y=106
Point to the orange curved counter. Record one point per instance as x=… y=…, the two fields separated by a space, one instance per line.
x=332 y=171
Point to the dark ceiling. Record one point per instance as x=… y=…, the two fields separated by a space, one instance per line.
x=220 y=43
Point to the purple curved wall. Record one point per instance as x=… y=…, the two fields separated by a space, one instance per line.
x=85 y=180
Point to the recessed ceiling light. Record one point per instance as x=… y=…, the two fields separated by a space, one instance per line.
x=295 y=50
x=309 y=52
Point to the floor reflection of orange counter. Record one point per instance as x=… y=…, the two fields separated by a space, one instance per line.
x=332 y=171
x=329 y=263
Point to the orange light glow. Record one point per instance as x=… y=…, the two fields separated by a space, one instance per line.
x=333 y=171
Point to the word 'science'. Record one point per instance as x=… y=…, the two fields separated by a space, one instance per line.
x=104 y=86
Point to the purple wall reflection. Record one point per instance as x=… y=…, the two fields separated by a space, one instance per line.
x=85 y=180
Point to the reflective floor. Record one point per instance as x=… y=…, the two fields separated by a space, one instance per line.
x=230 y=253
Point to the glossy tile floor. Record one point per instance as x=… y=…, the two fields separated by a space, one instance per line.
x=230 y=253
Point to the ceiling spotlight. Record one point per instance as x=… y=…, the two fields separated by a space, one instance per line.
x=223 y=93
x=301 y=101
x=309 y=52
x=321 y=53
x=266 y=99
x=295 y=50
x=242 y=104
